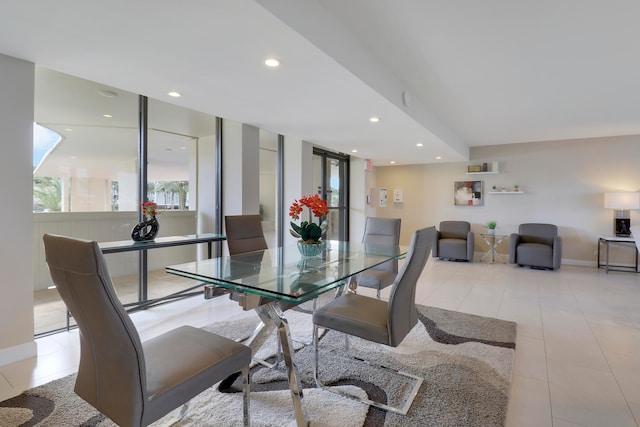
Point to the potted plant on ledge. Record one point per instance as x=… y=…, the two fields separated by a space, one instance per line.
x=491 y=226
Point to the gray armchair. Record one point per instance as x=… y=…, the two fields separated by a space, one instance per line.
x=377 y=320
x=454 y=241
x=134 y=383
x=536 y=245
x=380 y=232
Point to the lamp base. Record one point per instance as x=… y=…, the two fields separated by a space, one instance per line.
x=622 y=227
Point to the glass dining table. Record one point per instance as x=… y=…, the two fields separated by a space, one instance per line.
x=282 y=276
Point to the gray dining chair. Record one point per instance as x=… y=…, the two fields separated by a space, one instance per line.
x=380 y=232
x=244 y=235
x=454 y=241
x=536 y=245
x=134 y=383
x=372 y=319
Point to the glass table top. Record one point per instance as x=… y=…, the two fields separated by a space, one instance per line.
x=284 y=274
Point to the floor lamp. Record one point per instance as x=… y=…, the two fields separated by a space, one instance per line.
x=622 y=203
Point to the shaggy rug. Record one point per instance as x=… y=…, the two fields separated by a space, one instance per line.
x=466 y=361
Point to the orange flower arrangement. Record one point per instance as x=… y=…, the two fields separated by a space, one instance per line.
x=308 y=231
x=150 y=209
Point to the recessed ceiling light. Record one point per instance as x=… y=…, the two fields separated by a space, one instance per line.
x=69 y=130
x=419 y=144
x=107 y=93
x=354 y=151
x=393 y=162
x=175 y=94
x=438 y=157
x=108 y=116
x=374 y=119
x=271 y=62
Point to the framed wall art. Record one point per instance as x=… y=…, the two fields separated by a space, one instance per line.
x=467 y=193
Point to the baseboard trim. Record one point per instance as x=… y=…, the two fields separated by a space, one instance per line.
x=579 y=263
x=17 y=353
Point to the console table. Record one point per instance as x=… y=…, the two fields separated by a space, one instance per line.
x=606 y=241
x=159 y=242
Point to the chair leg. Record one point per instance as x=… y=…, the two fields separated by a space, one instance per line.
x=246 y=400
x=315 y=352
x=398 y=410
x=183 y=412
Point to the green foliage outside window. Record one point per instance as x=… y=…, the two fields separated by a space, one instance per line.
x=47 y=194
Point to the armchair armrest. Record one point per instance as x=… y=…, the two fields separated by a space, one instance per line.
x=514 y=239
x=557 y=252
x=434 y=249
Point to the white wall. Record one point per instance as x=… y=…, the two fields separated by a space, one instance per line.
x=241 y=168
x=206 y=193
x=16 y=256
x=358 y=207
x=563 y=183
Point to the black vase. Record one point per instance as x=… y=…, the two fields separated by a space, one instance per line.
x=145 y=230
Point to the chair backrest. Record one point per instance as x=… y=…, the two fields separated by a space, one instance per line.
x=244 y=233
x=454 y=229
x=383 y=232
x=402 y=301
x=111 y=375
x=538 y=233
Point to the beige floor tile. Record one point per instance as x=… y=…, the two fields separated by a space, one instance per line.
x=626 y=370
x=530 y=359
x=635 y=409
x=562 y=423
x=565 y=322
x=529 y=403
x=587 y=397
x=617 y=338
x=575 y=349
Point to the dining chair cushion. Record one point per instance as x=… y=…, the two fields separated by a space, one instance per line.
x=204 y=358
x=357 y=315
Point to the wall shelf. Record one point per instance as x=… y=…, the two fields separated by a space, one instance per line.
x=483 y=168
x=482 y=173
x=506 y=192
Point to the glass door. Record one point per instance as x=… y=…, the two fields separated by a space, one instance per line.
x=331 y=180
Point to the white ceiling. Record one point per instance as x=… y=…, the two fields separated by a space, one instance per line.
x=472 y=73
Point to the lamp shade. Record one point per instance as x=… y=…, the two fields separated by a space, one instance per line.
x=622 y=200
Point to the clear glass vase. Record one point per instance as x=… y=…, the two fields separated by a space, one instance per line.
x=310 y=249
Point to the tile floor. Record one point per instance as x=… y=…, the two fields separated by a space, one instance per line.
x=578 y=338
